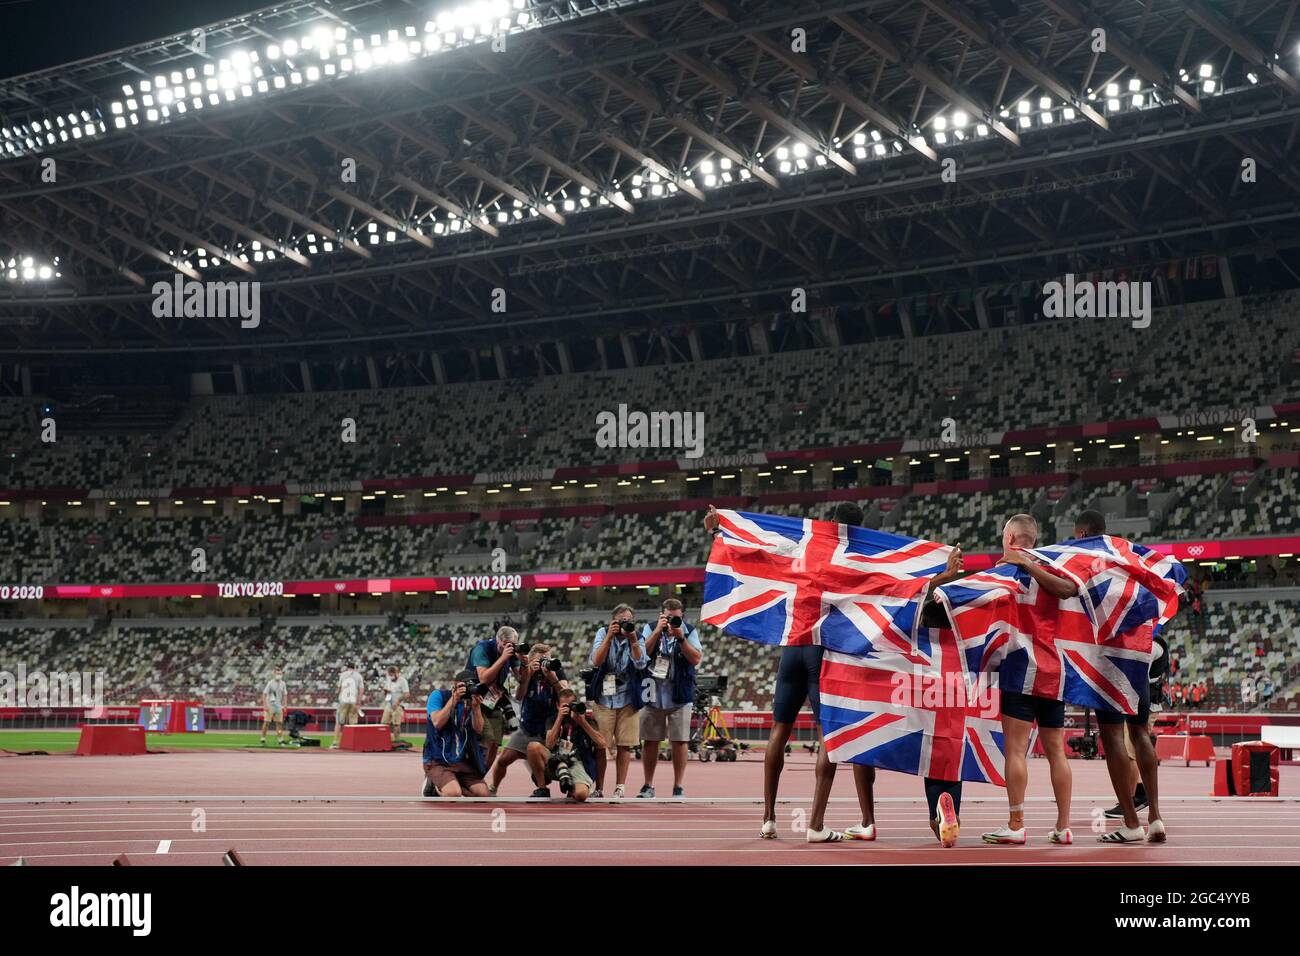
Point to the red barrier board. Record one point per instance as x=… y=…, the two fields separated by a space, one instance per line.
x=116 y=740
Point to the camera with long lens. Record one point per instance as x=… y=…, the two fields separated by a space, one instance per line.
x=523 y=647
x=578 y=708
x=473 y=687
x=627 y=627
x=675 y=621
x=560 y=766
x=552 y=664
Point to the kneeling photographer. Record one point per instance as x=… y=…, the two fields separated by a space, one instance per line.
x=541 y=678
x=568 y=754
x=453 y=754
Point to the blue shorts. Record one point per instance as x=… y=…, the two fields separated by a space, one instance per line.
x=798 y=678
x=1048 y=714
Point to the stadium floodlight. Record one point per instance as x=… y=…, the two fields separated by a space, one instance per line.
x=1025 y=122
x=1206 y=71
x=1023 y=107
x=1112 y=89
x=1044 y=102
x=1210 y=86
x=940 y=123
x=960 y=119
x=1134 y=85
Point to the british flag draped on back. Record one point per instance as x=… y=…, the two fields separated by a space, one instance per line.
x=1093 y=649
x=894 y=694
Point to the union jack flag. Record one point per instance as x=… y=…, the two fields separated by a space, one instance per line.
x=1093 y=649
x=919 y=713
x=779 y=580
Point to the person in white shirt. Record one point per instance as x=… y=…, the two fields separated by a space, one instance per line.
x=351 y=691
x=396 y=690
x=273 y=706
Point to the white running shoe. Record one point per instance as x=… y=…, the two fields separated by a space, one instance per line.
x=1122 y=835
x=1061 y=837
x=1156 y=832
x=1006 y=836
x=859 y=832
x=769 y=830
x=618 y=792
x=825 y=836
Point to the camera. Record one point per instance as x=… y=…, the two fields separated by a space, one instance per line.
x=675 y=621
x=560 y=766
x=523 y=647
x=586 y=674
x=578 y=708
x=627 y=627
x=472 y=685
x=553 y=664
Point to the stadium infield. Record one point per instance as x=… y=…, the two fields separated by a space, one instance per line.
x=337 y=808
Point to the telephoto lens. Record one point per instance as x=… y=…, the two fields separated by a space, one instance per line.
x=523 y=648
x=578 y=707
x=675 y=621
x=554 y=664
x=627 y=627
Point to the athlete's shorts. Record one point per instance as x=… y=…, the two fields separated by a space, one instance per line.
x=1048 y=714
x=1140 y=719
x=798 y=678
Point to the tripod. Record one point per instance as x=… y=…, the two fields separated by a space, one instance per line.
x=711 y=736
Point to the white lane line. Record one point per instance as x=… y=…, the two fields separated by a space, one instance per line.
x=163 y=847
x=466 y=801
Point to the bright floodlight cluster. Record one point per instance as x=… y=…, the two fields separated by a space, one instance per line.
x=323 y=54
x=29 y=269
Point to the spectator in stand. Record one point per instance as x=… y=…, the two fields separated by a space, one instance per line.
x=1176 y=694
x=1248 y=691
x=1265 y=690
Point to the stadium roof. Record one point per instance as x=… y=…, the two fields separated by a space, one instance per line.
x=632 y=164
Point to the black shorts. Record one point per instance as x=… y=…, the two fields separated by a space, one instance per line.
x=1141 y=718
x=1048 y=714
x=798 y=678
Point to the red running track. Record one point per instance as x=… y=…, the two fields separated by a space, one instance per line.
x=332 y=808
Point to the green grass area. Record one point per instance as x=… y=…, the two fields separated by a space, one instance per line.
x=65 y=741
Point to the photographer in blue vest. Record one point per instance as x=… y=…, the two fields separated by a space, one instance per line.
x=616 y=689
x=674 y=652
x=493 y=659
x=453 y=758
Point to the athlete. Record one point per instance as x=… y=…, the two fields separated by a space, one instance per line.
x=1021 y=711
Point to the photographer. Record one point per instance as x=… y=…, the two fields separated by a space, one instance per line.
x=568 y=754
x=493 y=659
x=618 y=667
x=453 y=757
x=674 y=652
x=540 y=680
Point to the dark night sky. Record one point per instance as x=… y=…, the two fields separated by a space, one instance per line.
x=36 y=34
